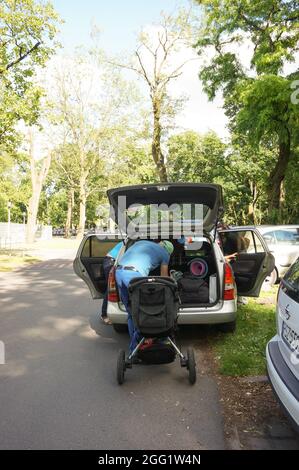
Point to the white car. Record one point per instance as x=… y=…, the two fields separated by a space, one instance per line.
x=283 y=242
x=245 y=274
x=283 y=349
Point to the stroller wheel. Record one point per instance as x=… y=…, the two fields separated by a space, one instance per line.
x=191 y=366
x=121 y=367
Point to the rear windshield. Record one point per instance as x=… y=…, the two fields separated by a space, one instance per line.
x=291 y=281
x=177 y=219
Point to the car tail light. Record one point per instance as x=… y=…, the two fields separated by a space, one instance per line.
x=229 y=283
x=112 y=288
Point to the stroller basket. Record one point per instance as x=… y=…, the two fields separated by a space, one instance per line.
x=160 y=352
x=154 y=305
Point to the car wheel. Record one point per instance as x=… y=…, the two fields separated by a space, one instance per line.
x=273 y=278
x=120 y=328
x=229 y=327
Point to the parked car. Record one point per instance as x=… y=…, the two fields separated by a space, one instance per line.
x=283 y=242
x=245 y=275
x=283 y=349
x=58 y=232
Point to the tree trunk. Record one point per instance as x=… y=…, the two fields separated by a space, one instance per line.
x=278 y=174
x=70 y=205
x=37 y=180
x=32 y=216
x=252 y=204
x=82 y=209
x=156 y=144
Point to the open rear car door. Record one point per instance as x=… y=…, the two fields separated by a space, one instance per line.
x=186 y=201
x=253 y=261
x=88 y=264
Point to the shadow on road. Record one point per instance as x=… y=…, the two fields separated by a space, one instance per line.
x=59 y=382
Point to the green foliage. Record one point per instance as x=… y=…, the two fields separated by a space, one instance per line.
x=257 y=96
x=194 y=157
x=289 y=213
x=52 y=208
x=133 y=164
x=27 y=31
x=241 y=170
x=14 y=185
x=266 y=109
x=272 y=26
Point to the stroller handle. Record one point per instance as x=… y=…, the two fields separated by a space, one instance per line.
x=166 y=281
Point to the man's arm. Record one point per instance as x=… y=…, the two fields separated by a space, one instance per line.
x=164 y=270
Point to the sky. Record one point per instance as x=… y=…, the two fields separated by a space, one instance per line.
x=119 y=22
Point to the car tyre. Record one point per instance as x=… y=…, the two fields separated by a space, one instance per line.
x=273 y=277
x=229 y=327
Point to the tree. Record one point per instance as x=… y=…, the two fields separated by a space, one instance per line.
x=27 y=31
x=236 y=166
x=92 y=110
x=65 y=176
x=257 y=98
x=39 y=168
x=132 y=164
x=157 y=62
x=194 y=157
x=14 y=186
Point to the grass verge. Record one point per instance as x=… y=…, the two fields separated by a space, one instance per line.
x=243 y=353
x=11 y=261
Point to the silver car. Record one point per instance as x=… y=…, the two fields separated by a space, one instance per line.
x=283 y=349
x=283 y=242
x=249 y=265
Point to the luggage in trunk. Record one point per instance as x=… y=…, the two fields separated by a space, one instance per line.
x=193 y=290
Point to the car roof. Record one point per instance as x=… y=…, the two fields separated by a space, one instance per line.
x=277 y=227
x=238 y=227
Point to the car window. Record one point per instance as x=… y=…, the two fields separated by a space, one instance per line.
x=269 y=237
x=96 y=248
x=243 y=241
x=291 y=280
x=289 y=236
x=86 y=249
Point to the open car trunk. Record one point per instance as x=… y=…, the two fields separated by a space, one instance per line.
x=195 y=290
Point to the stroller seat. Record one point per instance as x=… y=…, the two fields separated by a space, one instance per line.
x=154 y=303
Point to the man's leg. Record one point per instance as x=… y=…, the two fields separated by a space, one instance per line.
x=123 y=279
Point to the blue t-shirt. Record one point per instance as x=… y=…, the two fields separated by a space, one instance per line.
x=145 y=256
x=115 y=250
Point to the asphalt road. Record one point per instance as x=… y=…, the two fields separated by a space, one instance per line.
x=58 y=388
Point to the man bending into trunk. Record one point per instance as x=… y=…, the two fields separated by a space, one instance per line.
x=138 y=261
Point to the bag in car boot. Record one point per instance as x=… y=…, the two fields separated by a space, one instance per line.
x=193 y=290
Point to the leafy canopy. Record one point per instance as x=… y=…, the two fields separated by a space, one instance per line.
x=27 y=31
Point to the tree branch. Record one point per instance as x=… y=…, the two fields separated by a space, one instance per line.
x=21 y=57
x=144 y=73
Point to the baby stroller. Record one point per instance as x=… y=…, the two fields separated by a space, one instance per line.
x=154 y=303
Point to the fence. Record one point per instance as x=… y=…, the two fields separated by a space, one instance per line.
x=14 y=235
